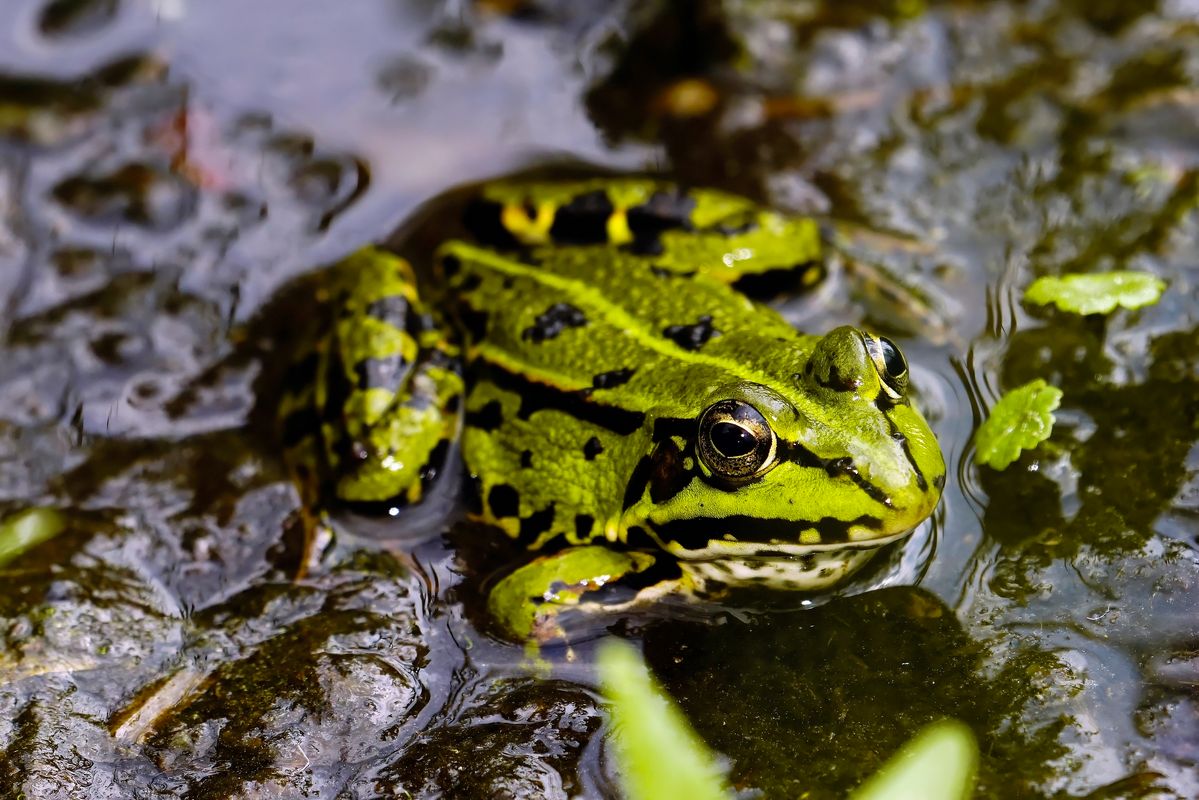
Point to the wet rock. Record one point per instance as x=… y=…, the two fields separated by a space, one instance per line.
x=62 y=18
x=404 y=78
x=330 y=185
x=48 y=112
x=138 y=194
x=517 y=739
x=329 y=682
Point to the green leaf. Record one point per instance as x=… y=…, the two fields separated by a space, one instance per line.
x=659 y=755
x=1021 y=420
x=1097 y=294
x=22 y=532
x=938 y=764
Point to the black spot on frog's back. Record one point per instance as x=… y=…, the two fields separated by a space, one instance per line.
x=584 y=523
x=692 y=337
x=612 y=379
x=484 y=222
x=584 y=220
x=796 y=279
x=503 y=501
x=553 y=321
x=592 y=448
x=662 y=212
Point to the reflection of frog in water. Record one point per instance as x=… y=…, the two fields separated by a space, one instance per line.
x=625 y=412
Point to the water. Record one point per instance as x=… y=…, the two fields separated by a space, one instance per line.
x=169 y=169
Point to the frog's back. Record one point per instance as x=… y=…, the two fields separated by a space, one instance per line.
x=608 y=324
x=581 y=359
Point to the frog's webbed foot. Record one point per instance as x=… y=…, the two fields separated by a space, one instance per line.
x=568 y=595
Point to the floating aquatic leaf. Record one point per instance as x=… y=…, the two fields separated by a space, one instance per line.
x=1022 y=419
x=1097 y=294
x=938 y=764
x=660 y=756
x=26 y=530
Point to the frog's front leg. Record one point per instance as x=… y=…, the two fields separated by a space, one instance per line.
x=538 y=601
x=378 y=426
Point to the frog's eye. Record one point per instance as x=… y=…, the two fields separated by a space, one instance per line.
x=891 y=365
x=735 y=441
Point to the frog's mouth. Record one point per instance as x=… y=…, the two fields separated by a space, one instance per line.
x=779 y=565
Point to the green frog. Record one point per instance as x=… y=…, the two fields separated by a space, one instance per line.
x=633 y=421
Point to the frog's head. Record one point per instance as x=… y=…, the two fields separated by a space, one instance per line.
x=796 y=485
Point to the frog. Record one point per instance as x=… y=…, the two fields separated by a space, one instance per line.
x=582 y=367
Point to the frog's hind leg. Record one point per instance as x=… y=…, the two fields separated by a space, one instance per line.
x=386 y=397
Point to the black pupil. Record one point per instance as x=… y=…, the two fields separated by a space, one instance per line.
x=892 y=358
x=732 y=440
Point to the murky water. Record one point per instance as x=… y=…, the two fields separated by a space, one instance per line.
x=168 y=168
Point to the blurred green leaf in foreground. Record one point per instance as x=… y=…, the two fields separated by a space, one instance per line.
x=26 y=530
x=660 y=756
x=938 y=764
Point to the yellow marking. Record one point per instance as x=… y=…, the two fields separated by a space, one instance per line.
x=545 y=217
x=618 y=228
x=529 y=231
x=809 y=537
x=514 y=220
x=517 y=221
x=811 y=277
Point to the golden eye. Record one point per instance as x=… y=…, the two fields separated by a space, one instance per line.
x=891 y=365
x=735 y=441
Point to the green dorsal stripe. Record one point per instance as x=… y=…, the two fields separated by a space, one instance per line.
x=596 y=304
